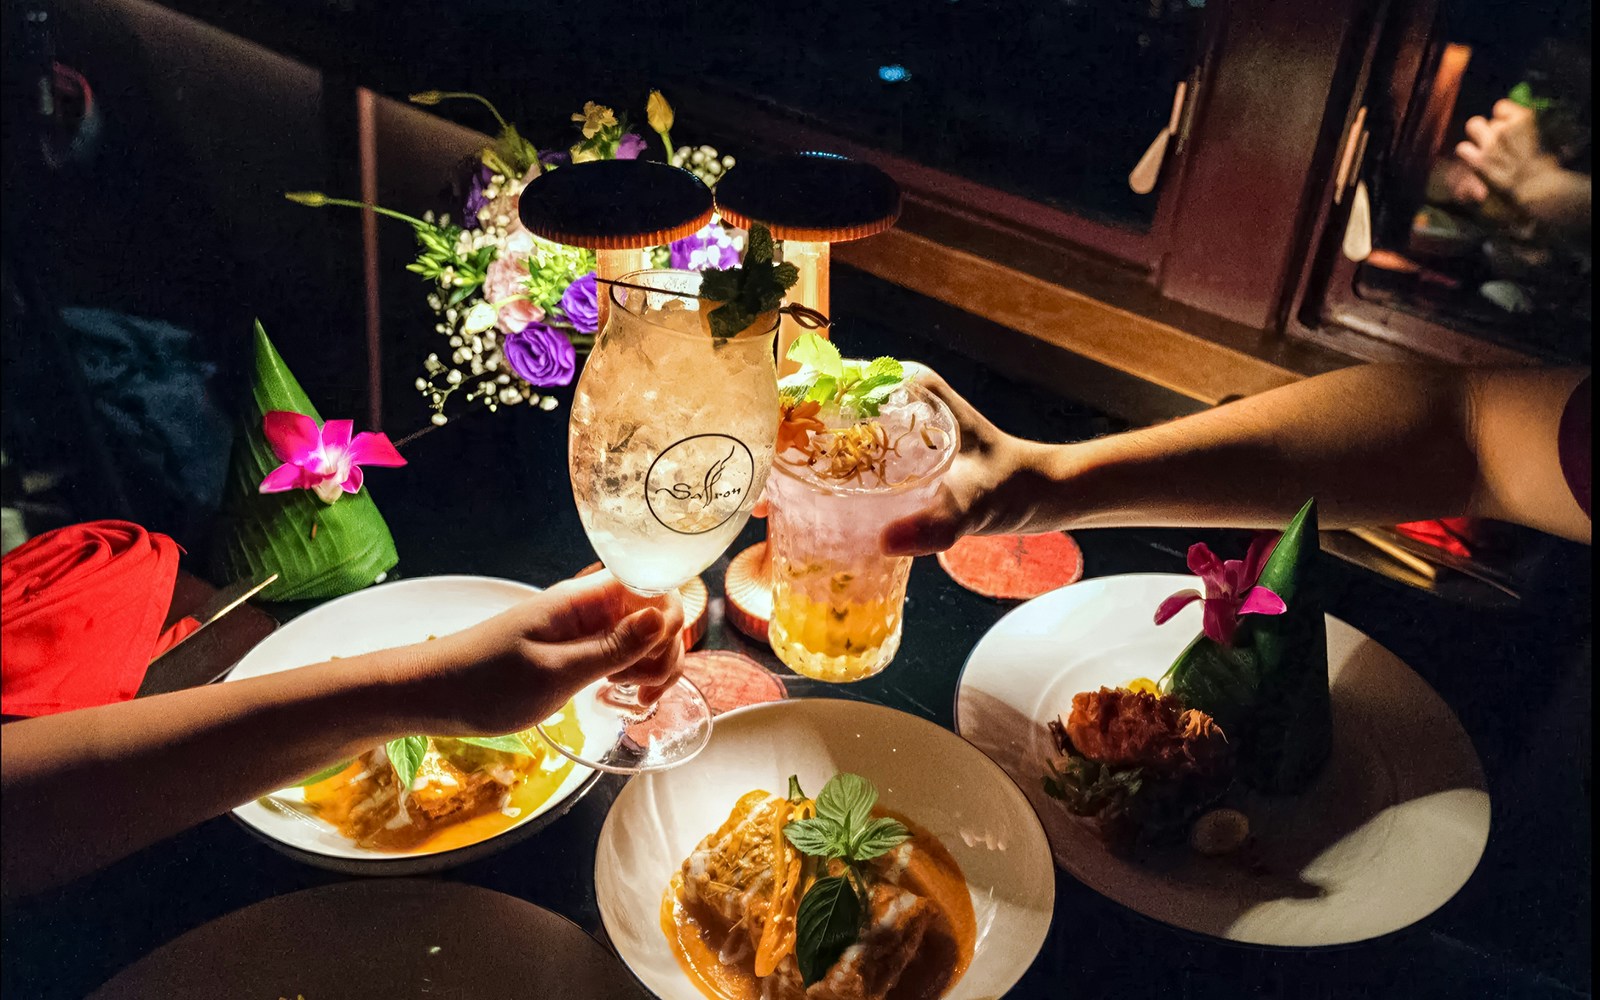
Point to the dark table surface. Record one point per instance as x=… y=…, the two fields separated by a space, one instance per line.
x=490 y=496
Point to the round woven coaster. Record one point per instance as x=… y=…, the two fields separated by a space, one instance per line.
x=732 y=680
x=696 y=602
x=1014 y=567
x=749 y=589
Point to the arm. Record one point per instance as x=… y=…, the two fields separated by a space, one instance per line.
x=1375 y=444
x=85 y=788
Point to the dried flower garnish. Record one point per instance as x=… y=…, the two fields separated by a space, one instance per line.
x=797 y=420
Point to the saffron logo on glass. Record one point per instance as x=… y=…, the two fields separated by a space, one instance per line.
x=698 y=483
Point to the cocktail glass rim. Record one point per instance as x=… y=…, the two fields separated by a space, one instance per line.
x=815 y=485
x=762 y=325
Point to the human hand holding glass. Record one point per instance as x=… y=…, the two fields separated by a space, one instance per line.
x=669 y=445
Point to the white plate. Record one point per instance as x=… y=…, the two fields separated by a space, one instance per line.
x=390 y=614
x=376 y=941
x=1391 y=829
x=926 y=772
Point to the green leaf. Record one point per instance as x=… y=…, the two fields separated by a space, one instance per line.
x=828 y=922
x=505 y=744
x=815 y=352
x=406 y=755
x=760 y=246
x=1269 y=690
x=720 y=285
x=885 y=366
x=847 y=799
x=823 y=389
x=322 y=775
x=728 y=319
x=878 y=837
x=1291 y=732
x=317 y=549
x=820 y=838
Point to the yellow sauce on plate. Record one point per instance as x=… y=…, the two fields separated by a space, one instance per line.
x=333 y=799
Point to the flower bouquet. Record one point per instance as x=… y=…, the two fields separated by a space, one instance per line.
x=513 y=309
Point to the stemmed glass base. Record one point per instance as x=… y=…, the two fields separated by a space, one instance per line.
x=622 y=736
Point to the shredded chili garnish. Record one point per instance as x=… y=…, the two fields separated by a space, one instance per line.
x=853 y=453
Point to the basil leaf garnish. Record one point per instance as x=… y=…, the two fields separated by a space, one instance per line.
x=826 y=924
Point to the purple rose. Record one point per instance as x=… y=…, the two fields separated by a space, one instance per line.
x=540 y=355
x=629 y=147
x=476 y=199
x=581 y=303
x=711 y=246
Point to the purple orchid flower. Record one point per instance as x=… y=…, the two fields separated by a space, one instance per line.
x=1231 y=589
x=326 y=461
x=710 y=246
x=581 y=304
x=630 y=146
x=476 y=199
x=540 y=355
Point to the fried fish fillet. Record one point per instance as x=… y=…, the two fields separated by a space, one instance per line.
x=1137 y=729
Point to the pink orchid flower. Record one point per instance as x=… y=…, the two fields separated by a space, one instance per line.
x=326 y=461
x=1231 y=589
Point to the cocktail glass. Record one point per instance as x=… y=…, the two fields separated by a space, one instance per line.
x=669 y=445
x=836 y=601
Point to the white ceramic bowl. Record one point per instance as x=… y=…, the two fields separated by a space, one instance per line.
x=930 y=774
x=390 y=614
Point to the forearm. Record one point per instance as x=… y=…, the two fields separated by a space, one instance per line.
x=1374 y=444
x=85 y=788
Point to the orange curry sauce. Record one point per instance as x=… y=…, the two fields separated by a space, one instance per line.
x=931 y=872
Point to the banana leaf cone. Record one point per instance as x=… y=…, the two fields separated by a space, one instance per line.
x=317 y=549
x=1269 y=691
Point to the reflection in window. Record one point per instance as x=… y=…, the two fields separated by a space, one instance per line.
x=1493 y=236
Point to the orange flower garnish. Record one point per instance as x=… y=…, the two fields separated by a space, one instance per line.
x=796 y=422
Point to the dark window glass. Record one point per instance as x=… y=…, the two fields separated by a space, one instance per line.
x=1055 y=101
x=1498 y=248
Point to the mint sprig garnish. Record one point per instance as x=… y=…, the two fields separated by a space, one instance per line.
x=830 y=915
x=829 y=378
x=755 y=286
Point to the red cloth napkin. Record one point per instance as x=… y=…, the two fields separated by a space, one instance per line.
x=81 y=610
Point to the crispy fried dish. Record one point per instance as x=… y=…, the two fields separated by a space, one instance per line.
x=1137 y=766
x=1138 y=729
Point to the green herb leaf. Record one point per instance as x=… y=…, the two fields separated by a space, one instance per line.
x=406 y=755
x=820 y=838
x=322 y=775
x=720 y=285
x=760 y=247
x=505 y=744
x=815 y=352
x=847 y=799
x=885 y=366
x=828 y=921
x=825 y=388
x=878 y=837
